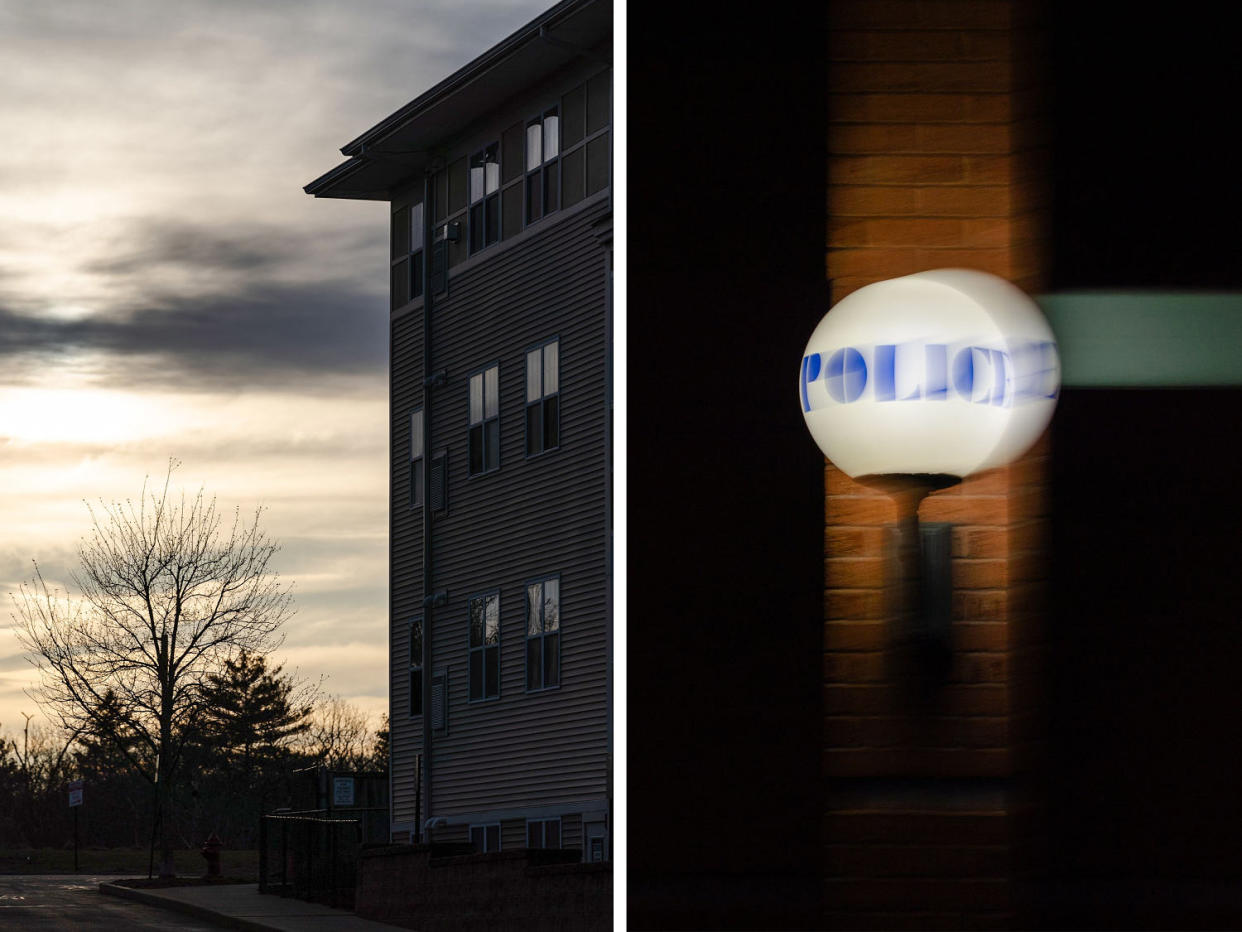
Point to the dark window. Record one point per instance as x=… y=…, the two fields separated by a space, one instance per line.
x=543 y=833
x=511 y=210
x=573 y=114
x=543 y=633
x=416 y=458
x=598 y=164
x=485 y=647
x=416 y=667
x=457 y=187
x=484 y=436
x=406 y=281
x=586 y=156
x=543 y=146
x=511 y=143
x=543 y=399
x=485 y=838
x=573 y=177
x=599 y=102
x=485 y=198
x=449 y=244
x=439 y=265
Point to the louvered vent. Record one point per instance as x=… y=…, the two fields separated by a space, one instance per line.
x=439 y=482
x=439 y=700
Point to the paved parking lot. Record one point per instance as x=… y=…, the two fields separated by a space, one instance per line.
x=73 y=902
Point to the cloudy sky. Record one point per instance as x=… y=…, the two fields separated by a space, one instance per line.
x=168 y=290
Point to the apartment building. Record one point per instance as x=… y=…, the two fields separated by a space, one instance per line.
x=499 y=181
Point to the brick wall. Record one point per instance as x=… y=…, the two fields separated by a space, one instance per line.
x=937 y=159
x=439 y=887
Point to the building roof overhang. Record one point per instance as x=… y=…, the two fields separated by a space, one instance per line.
x=404 y=143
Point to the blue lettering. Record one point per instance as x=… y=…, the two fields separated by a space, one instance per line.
x=998 y=386
x=885 y=372
x=906 y=351
x=810 y=372
x=964 y=372
x=846 y=375
x=1049 y=353
x=936 y=376
x=1002 y=378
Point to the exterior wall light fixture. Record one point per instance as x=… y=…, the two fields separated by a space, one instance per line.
x=912 y=384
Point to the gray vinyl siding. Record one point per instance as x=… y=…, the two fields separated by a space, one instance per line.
x=406 y=551
x=513 y=832
x=571 y=830
x=532 y=518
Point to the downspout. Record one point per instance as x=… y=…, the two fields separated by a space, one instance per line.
x=427 y=601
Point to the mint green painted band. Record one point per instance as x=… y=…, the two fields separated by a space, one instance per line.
x=1147 y=339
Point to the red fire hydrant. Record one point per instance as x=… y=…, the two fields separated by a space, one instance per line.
x=211 y=851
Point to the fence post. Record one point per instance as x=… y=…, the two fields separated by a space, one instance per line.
x=309 y=879
x=332 y=863
x=262 y=854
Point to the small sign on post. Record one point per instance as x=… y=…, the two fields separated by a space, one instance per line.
x=75 y=800
x=342 y=791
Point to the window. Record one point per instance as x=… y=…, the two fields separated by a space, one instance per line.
x=407 y=255
x=416 y=458
x=543 y=145
x=450 y=198
x=485 y=647
x=543 y=631
x=416 y=667
x=485 y=838
x=586 y=151
x=543 y=833
x=484 y=437
x=485 y=198
x=543 y=411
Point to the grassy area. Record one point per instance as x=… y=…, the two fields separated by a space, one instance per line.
x=129 y=861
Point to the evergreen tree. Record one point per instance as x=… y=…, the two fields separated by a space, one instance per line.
x=250 y=713
x=241 y=742
x=379 y=749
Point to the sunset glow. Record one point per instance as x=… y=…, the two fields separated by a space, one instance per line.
x=167 y=290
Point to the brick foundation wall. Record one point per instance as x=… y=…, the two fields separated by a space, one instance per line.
x=440 y=887
x=937 y=159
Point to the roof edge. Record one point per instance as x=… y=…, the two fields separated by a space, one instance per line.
x=528 y=33
x=321 y=186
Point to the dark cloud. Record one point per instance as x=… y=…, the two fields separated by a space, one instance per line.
x=264 y=335
x=222 y=307
x=160 y=244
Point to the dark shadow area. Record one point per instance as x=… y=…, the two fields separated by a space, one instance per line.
x=726 y=241
x=1146 y=697
x=1145 y=164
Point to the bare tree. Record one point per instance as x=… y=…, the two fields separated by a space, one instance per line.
x=168 y=594
x=339 y=736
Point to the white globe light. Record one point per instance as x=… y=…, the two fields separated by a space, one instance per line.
x=945 y=372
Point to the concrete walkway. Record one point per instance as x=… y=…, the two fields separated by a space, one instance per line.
x=242 y=906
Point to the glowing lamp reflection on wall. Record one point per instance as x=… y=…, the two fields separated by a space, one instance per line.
x=910 y=385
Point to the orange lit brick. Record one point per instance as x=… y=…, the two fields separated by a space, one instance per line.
x=918 y=108
x=855 y=635
x=853 y=604
x=853 y=542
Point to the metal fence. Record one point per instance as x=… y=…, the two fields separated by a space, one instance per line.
x=314 y=855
